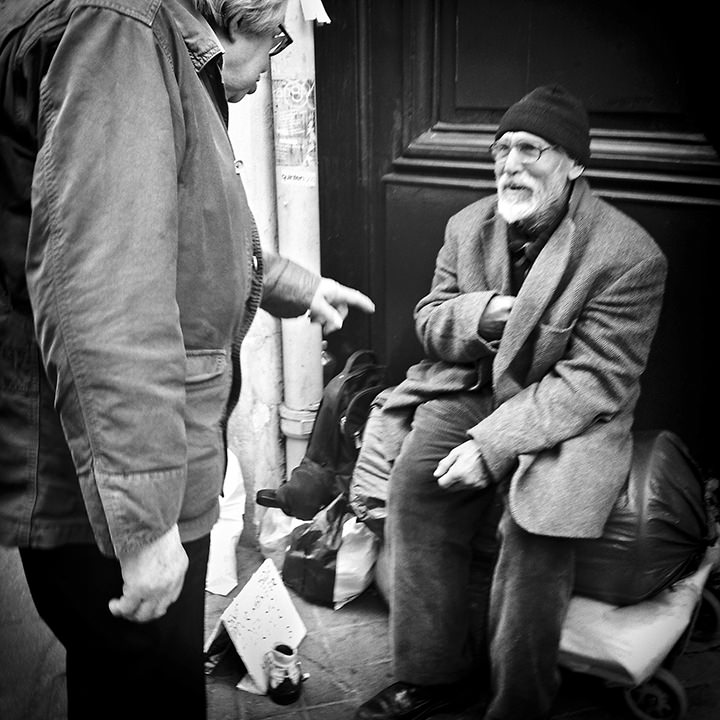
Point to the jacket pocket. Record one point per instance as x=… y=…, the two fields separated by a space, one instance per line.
x=207 y=385
x=550 y=344
x=204 y=365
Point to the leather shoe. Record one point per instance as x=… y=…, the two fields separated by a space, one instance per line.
x=403 y=701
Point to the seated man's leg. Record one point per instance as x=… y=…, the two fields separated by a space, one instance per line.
x=531 y=591
x=431 y=533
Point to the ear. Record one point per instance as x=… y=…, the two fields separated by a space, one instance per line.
x=576 y=171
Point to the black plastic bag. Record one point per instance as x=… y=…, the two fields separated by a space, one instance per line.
x=331 y=560
x=658 y=530
x=311 y=558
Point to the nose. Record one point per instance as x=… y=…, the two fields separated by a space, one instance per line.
x=513 y=162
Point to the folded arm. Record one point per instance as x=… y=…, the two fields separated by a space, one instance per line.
x=596 y=378
x=449 y=321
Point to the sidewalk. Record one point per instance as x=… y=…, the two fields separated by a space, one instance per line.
x=346 y=653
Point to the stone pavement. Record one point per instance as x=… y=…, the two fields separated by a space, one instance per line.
x=345 y=652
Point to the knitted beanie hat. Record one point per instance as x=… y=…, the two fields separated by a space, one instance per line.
x=555 y=115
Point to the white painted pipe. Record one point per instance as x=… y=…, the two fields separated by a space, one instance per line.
x=296 y=181
x=254 y=427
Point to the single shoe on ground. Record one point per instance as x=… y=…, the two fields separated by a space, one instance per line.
x=284 y=675
x=403 y=701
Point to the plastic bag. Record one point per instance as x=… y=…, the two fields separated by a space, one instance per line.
x=274 y=536
x=222 y=563
x=355 y=564
x=657 y=532
x=330 y=560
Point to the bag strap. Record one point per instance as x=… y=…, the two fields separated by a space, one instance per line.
x=359 y=358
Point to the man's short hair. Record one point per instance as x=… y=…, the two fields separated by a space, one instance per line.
x=254 y=17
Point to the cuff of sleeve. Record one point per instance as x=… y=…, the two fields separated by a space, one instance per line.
x=498 y=464
x=289 y=288
x=140 y=507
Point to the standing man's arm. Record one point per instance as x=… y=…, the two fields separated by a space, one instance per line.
x=290 y=290
x=101 y=276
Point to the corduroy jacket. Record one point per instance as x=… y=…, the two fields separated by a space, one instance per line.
x=565 y=376
x=130 y=269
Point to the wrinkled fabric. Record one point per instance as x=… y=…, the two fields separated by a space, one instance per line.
x=565 y=376
x=442 y=547
x=127 y=289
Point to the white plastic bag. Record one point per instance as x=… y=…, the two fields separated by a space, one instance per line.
x=222 y=562
x=355 y=560
x=274 y=535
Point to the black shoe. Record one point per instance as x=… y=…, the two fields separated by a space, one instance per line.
x=268 y=498
x=402 y=701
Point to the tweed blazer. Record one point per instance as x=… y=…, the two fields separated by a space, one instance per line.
x=564 y=377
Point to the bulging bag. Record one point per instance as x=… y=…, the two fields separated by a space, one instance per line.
x=334 y=442
x=658 y=530
x=330 y=560
x=368 y=483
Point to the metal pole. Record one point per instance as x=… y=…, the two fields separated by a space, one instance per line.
x=293 y=94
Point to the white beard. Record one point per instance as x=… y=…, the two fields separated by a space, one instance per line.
x=514 y=209
x=532 y=202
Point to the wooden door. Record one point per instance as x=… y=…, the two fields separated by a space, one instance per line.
x=409 y=94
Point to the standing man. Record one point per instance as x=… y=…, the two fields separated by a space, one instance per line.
x=130 y=270
x=536 y=331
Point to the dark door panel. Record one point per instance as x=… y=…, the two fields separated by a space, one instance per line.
x=409 y=95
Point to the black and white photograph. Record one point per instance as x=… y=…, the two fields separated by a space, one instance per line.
x=358 y=360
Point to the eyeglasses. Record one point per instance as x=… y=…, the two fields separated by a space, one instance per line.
x=527 y=152
x=281 y=40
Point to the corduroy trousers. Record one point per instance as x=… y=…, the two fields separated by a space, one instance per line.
x=466 y=582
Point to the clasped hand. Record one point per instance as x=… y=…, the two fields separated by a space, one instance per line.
x=462 y=468
x=495 y=316
x=153 y=577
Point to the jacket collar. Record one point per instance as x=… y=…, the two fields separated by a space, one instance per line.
x=201 y=42
x=542 y=281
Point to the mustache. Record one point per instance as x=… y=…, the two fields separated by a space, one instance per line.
x=514 y=184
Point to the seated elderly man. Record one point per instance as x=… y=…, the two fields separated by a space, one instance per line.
x=516 y=427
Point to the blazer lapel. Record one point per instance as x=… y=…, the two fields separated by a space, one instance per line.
x=534 y=296
x=491 y=241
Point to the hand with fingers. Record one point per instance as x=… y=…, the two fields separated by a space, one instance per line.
x=331 y=303
x=462 y=468
x=495 y=316
x=153 y=577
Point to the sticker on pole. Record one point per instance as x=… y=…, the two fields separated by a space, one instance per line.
x=295 y=131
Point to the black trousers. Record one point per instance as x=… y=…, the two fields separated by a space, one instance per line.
x=117 y=668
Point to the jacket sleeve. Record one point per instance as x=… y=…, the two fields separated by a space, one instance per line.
x=446 y=319
x=288 y=288
x=596 y=378
x=102 y=271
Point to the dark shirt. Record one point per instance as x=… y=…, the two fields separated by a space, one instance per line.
x=525 y=245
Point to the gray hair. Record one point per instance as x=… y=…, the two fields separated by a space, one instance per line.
x=255 y=17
